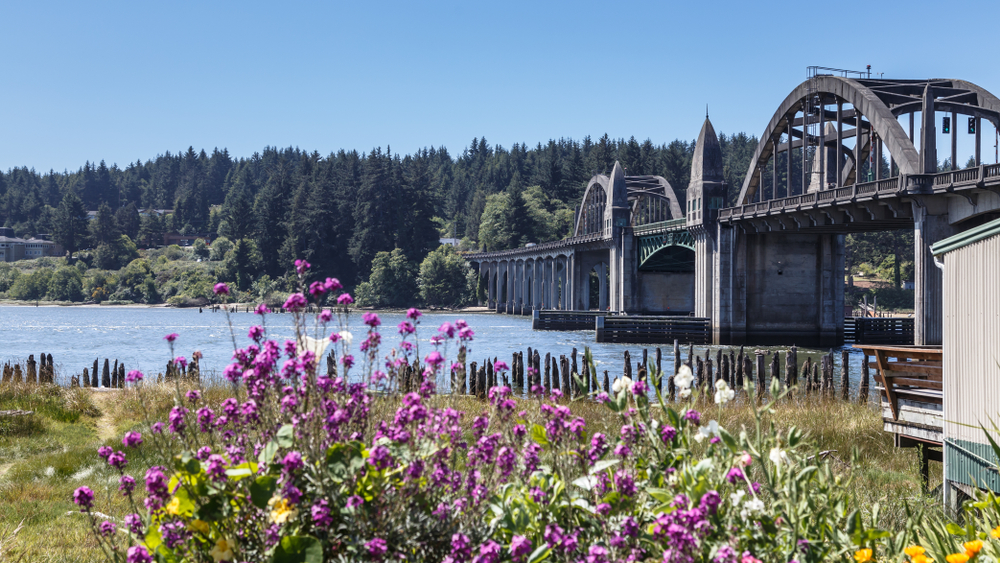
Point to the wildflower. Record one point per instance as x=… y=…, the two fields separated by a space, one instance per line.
x=332 y=284
x=693 y=416
x=447 y=329
x=345 y=299
x=126 y=484
x=181 y=362
x=117 y=460
x=295 y=302
x=281 y=510
x=602 y=397
x=406 y=327
x=170 y=337
x=639 y=388
x=325 y=316
x=133 y=376
x=972 y=547
x=354 y=501
x=104 y=452
x=321 y=513
x=684 y=378
x=519 y=547
x=344 y=335
x=957 y=558
x=84 y=498
x=138 y=554
x=756 y=506
x=134 y=523
x=921 y=559
x=223 y=550
x=668 y=433
x=863 y=555
x=301 y=266
x=914 y=551
x=292 y=461
x=620 y=384
x=221 y=289
x=995 y=534
x=371 y=319
x=746 y=460
x=723 y=394
x=735 y=474
x=434 y=359
x=376 y=547
x=749 y=558
x=200 y=526
x=413 y=314
x=778 y=456
x=261 y=310
x=603 y=509
x=500 y=365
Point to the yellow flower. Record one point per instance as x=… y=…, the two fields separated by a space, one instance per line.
x=957 y=558
x=281 y=510
x=972 y=547
x=996 y=532
x=914 y=550
x=223 y=550
x=863 y=555
x=921 y=559
x=199 y=526
x=174 y=506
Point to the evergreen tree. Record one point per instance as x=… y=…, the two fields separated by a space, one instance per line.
x=70 y=228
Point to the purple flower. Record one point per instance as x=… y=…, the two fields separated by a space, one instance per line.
x=332 y=284
x=84 y=498
x=216 y=469
x=710 y=501
x=489 y=552
x=261 y=310
x=295 y=302
x=325 y=316
x=500 y=365
x=107 y=528
x=735 y=474
x=176 y=419
x=354 y=501
x=639 y=388
x=156 y=428
x=301 y=266
x=448 y=329
x=345 y=299
x=292 y=462
x=376 y=547
x=755 y=487
x=104 y=451
x=603 y=509
x=406 y=327
x=371 y=319
x=133 y=376
x=117 y=460
x=380 y=457
x=193 y=396
x=170 y=337
x=624 y=483
x=256 y=333
x=126 y=484
x=434 y=359
x=134 y=523
x=693 y=416
x=413 y=314
x=181 y=362
x=317 y=288
x=602 y=397
x=321 y=514
x=221 y=289
x=667 y=433
x=519 y=547
x=461 y=550
x=132 y=439
x=137 y=554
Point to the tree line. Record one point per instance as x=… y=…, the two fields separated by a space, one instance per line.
x=338 y=211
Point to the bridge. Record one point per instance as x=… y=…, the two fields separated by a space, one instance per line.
x=771 y=269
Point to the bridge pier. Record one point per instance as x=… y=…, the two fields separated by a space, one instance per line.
x=928 y=285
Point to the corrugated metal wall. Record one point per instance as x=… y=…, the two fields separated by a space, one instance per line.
x=972 y=340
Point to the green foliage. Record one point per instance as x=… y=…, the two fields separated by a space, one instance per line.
x=241 y=263
x=8 y=275
x=66 y=284
x=200 y=249
x=220 y=248
x=444 y=278
x=31 y=286
x=116 y=253
x=392 y=282
x=69 y=227
x=496 y=230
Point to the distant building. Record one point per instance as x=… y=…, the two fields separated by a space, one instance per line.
x=186 y=240
x=13 y=248
x=450 y=241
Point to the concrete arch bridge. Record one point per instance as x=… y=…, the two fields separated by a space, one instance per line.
x=630 y=252
x=772 y=268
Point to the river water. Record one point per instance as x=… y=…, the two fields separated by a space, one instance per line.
x=76 y=336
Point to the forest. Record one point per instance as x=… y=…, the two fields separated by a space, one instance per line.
x=341 y=210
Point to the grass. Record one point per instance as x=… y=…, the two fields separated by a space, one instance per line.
x=40 y=466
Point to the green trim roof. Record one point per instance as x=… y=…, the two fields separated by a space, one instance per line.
x=966 y=238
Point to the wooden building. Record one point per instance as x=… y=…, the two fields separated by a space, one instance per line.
x=971 y=359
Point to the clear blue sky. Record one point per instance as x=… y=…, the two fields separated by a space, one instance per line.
x=122 y=81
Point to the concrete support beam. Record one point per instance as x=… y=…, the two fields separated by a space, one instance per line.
x=928 y=308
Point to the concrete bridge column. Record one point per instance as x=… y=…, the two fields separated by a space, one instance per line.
x=564 y=283
x=518 y=285
x=704 y=262
x=511 y=272
x=536 y=284
x=927 y=303
x=550 y=267
x=602 y=284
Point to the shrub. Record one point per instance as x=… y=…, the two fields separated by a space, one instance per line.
x=392 y=282
x=66 y=284
x=200 y=249
x=31 y=287
x=220 y=247
x=443 y=278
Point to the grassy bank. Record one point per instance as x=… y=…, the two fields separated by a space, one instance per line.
x=44 y=457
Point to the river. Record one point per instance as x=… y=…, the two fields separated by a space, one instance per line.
x=76 y=336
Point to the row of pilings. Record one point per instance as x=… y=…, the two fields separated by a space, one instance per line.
x=531 y=372
x=32 y=373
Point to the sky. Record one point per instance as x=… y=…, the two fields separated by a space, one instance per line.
x=121 y=82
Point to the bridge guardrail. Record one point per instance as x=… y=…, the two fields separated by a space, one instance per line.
x=653 y=329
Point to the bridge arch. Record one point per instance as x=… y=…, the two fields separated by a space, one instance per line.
x=651 y=199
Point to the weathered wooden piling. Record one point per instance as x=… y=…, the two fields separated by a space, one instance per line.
x=816 y=382
x=86 y=378
x=671 y=386
x=607 y=382
x=106 y=374
x=565 y=376
x=775 y=369
x=94 y=381
x=74 y=381
x=50 y=370
x=863 y=385
x=31 y=375
x=724 y=373
x=710 y=373
x=18 y=376
x=481 y=381
x=761 y=380
x=845 y=380
x=747 y=369
x=628 y=365
x=473 y=375
x=536 y=362
x=699 y=373
x=548 y=372
x=659 y=367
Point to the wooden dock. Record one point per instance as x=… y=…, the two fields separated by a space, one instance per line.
x=910 y=383
x=565 y=320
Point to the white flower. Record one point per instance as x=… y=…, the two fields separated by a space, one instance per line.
x=723 y=394
x=315 y=345
x=751 y=507
x=707 y=431
x=778 y=456
x=621 y=383
x=685 y=393
x=346 y=336
x=737 y=497
x=684 y=377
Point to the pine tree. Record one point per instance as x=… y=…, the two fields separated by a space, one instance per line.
x=70 y=228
